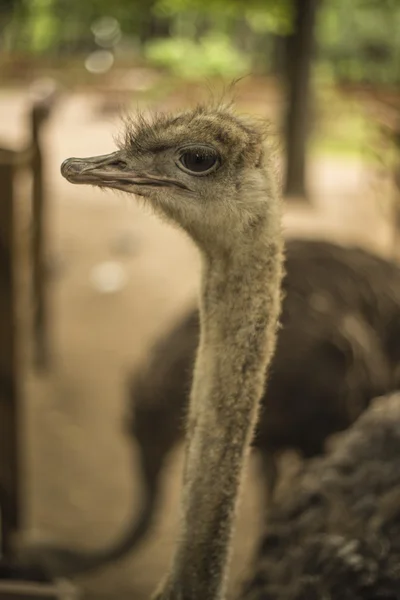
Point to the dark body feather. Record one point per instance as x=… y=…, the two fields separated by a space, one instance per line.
x=335 y=533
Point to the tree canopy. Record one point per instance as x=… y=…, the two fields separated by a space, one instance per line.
x=358 y=40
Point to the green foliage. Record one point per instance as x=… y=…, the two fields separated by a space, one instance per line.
x=361 y=40
x=277 y=19
x=41 y=26
x=212 y=55
x=44 y=24
x=358 y=40
x=340 y=127
x=263 y=15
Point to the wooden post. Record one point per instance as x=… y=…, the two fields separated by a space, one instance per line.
x=39 y=113
x=17 y=581
x=9 y=380
x=300 y=45
x=38 y=244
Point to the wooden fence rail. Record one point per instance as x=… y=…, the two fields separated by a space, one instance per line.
x=9 y=380
x=11 y=444
x=17 y=582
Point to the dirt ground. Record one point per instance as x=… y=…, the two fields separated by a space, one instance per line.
x=80 y=486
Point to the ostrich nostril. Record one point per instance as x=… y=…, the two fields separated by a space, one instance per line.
x=70 y=166
x=118 y=163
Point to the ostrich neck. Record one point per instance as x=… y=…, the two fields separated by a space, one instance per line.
x=239 y=310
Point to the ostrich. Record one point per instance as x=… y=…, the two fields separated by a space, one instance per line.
x=335 y=533
x=336 y=352
x=208 y=171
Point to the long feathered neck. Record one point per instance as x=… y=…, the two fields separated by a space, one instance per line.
x=239 y=310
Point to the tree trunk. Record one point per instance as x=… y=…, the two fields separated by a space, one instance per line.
x=299 y=51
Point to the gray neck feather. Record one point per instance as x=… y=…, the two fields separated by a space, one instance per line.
x=239 y=309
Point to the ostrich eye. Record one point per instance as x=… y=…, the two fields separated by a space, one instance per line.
x=199 y=160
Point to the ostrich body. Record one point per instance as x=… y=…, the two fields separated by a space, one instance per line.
x=335 y=532
x=207 y=171
x=335 y=353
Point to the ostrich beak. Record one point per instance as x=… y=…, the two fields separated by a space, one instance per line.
x=112 y=171
x=108 y=170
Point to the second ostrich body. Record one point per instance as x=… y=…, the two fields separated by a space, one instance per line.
x=207 y=171
x=336 y=351
x=335 y=532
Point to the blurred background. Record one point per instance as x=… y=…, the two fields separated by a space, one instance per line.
x=98 y=279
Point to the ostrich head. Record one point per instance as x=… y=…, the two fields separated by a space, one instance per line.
x=196 y=169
